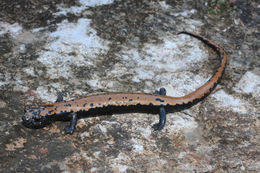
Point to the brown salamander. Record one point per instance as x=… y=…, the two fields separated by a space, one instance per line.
x=39 y=116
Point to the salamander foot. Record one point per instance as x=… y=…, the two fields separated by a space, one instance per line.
x=162 y=114
x=73 y=122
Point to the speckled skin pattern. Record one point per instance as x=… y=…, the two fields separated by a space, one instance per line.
x=38 y=116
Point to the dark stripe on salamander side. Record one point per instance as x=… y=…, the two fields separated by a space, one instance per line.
x=132 y=102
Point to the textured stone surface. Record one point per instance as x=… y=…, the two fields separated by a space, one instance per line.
x=85 y=47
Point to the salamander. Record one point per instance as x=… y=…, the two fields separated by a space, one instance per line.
x=40 y=116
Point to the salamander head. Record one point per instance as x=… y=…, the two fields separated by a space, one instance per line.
x=35 y=117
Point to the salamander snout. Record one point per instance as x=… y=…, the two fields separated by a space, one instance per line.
x=32 y=117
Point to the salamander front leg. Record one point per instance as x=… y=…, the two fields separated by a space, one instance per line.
x=59 y=97
x=162 y=113
x=73 y=122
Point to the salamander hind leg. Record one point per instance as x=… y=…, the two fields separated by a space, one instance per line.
x=162 y=113
x=73 y=122
x=162 y=91
x=162 y=120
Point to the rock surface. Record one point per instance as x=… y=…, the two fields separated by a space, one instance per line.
x=85 y=47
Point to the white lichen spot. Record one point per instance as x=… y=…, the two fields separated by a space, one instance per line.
x=19 y=49
x=2 y=104
x=249 y=84
x=145 y=132
x=229 y=102
x=138 y=148
x=13 y=29
x=30 y=71
x=93 y=169
x=120 y=163
x=94 y=83
x=185 y=13
x=122 y=157
x=85 y=4
x=102 y=128
x=76 y=44
x=20 y=88
x=181 y=155
x=62 y=166
x=183 y=83
x=45 y=94
x=183 y=123
x=84 y=135
x=166 y=64
x=164 y=5
x=57 y=86
x=119 y=168
x=2 y=83
x=123 y=168
x=92 y=3
x=26 y=37
x=73 y=10
x=96 y=154
x=192 y=25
